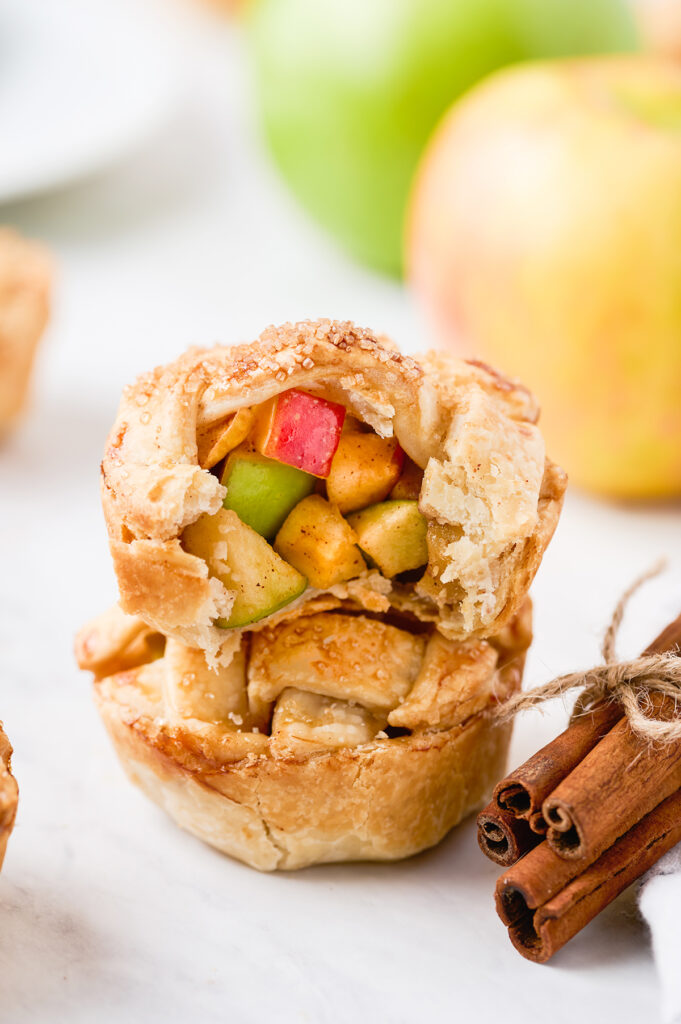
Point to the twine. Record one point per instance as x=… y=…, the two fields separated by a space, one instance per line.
x=633 y=683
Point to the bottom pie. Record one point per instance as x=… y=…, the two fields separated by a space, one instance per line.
x=332 y=736
x=9 y=794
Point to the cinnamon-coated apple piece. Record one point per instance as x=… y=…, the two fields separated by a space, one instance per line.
x=263 y=491
x=393 y=535
x=244 y=561
x=364 y=470
x=319 y=543
x=217 y=439
x=408 y=487
x=300 y=429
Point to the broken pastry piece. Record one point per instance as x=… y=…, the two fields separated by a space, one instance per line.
x=247 y=486
x=9 y=794
x=334 y=736
x=25 y=279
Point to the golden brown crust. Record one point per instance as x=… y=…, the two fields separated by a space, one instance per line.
x=491 y=497
x=382 y=801
x=283 y=800
x=9 y=793
x=25 y=278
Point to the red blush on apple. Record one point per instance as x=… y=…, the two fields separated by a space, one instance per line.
x=301 y=430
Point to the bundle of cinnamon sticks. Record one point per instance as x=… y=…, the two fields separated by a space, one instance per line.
x=581 y=820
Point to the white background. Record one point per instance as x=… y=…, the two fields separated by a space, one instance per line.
x=107 y=911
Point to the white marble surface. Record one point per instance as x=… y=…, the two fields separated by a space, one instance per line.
x=107 y=911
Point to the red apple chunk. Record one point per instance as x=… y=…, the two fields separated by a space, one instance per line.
x=301 y=430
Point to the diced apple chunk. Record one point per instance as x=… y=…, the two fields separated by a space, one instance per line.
x=408 y=487
x=393 y=535
x=319 y=543
x=364 y=470
x=305 y=722
x=246 y=564
x=217 y=439
x=263 y=491
x=300 y=429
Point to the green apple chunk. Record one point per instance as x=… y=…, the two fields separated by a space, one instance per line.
x=393 y=535
x=318 y=541
x=262 y=491
x=244 y=561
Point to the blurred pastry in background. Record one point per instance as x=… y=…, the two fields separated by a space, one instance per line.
x=334 y=736
x=25 y=283
x=9 y=794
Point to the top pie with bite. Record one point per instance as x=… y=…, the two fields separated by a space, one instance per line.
x=318 y=466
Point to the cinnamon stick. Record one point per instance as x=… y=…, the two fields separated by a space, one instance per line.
x=502 y=837
x=619 y=781
x=524 y=791
x=538 y=823
x=623 y=778
x=543 y=906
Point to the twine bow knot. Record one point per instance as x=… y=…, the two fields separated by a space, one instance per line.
x=640 y=685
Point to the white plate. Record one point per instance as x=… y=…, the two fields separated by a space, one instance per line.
x=81 y=83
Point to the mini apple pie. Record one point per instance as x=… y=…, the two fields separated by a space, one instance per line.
x=9 y=794
x=25 y=277
x=318 y=466
x=331 y=736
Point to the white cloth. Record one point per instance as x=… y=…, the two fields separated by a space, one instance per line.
x=660 y=903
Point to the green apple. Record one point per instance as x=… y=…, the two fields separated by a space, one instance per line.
x=319 y=543
x=545 y=239
x=393 y=535
x=244 y=561
x=350 y=90
x=263 y=491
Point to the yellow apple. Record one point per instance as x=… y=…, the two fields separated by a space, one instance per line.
x=545 y=237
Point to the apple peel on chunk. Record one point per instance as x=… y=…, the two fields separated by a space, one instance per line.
x=301 y=430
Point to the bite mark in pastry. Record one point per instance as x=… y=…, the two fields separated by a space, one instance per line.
x=25 y=279
x=455 y=473
x=283 y=758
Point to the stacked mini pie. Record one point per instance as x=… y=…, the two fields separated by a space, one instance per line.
x=25 y=279
x=323 y=551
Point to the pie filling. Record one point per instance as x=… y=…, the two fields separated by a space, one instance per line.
x=314 y=498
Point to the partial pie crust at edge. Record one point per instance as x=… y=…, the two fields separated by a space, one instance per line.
x=9 y=793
